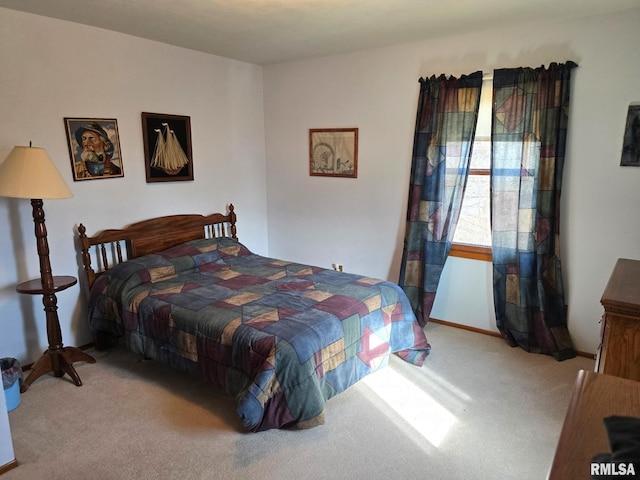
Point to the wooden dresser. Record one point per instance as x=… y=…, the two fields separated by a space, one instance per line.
x=619 y=352
x=584 y=433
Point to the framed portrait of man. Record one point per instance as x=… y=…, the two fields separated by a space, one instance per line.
x=94 y=148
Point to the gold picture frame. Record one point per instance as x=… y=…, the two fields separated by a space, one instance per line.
x=333 y=152
x=94 y=148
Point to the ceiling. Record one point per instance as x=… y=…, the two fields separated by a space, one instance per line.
x=265 y=32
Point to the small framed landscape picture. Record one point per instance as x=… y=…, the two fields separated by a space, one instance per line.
x=167 y=147
x=333 y=152
x=94 y=148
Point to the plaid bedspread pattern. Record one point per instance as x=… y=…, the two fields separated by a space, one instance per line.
x=281 y=337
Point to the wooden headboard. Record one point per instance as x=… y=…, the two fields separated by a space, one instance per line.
x=150 y=236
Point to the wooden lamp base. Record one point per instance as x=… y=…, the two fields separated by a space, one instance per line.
x=57 y=359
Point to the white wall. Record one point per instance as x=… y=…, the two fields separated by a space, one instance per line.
x=464 y=294
x=360 y=222
x=51 y=69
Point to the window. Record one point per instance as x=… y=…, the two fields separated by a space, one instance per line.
x=472 y=238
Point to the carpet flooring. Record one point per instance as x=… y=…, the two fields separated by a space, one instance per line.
x=477 y=409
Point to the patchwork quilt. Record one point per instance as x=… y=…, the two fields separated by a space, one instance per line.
x=281 y=337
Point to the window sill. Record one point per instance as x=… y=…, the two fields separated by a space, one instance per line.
x=472 y=252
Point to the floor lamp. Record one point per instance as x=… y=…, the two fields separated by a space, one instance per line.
x=29 y=172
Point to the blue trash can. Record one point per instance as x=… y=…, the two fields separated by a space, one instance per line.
x=11 y=381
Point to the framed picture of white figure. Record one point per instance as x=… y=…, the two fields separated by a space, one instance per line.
x=167 y=147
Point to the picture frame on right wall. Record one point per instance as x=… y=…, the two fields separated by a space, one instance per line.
x=333 y=152
x=631 y=142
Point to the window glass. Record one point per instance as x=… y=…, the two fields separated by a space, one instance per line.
x=474 y=224
x=474 y=227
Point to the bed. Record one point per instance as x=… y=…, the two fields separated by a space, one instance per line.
x=279 y=336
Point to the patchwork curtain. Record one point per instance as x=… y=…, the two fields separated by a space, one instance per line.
x=445 y=127
x=529 y=129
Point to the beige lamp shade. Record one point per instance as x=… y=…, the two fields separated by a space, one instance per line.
x=29 y=172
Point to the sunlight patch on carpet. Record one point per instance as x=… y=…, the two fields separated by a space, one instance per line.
x=424 y=414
